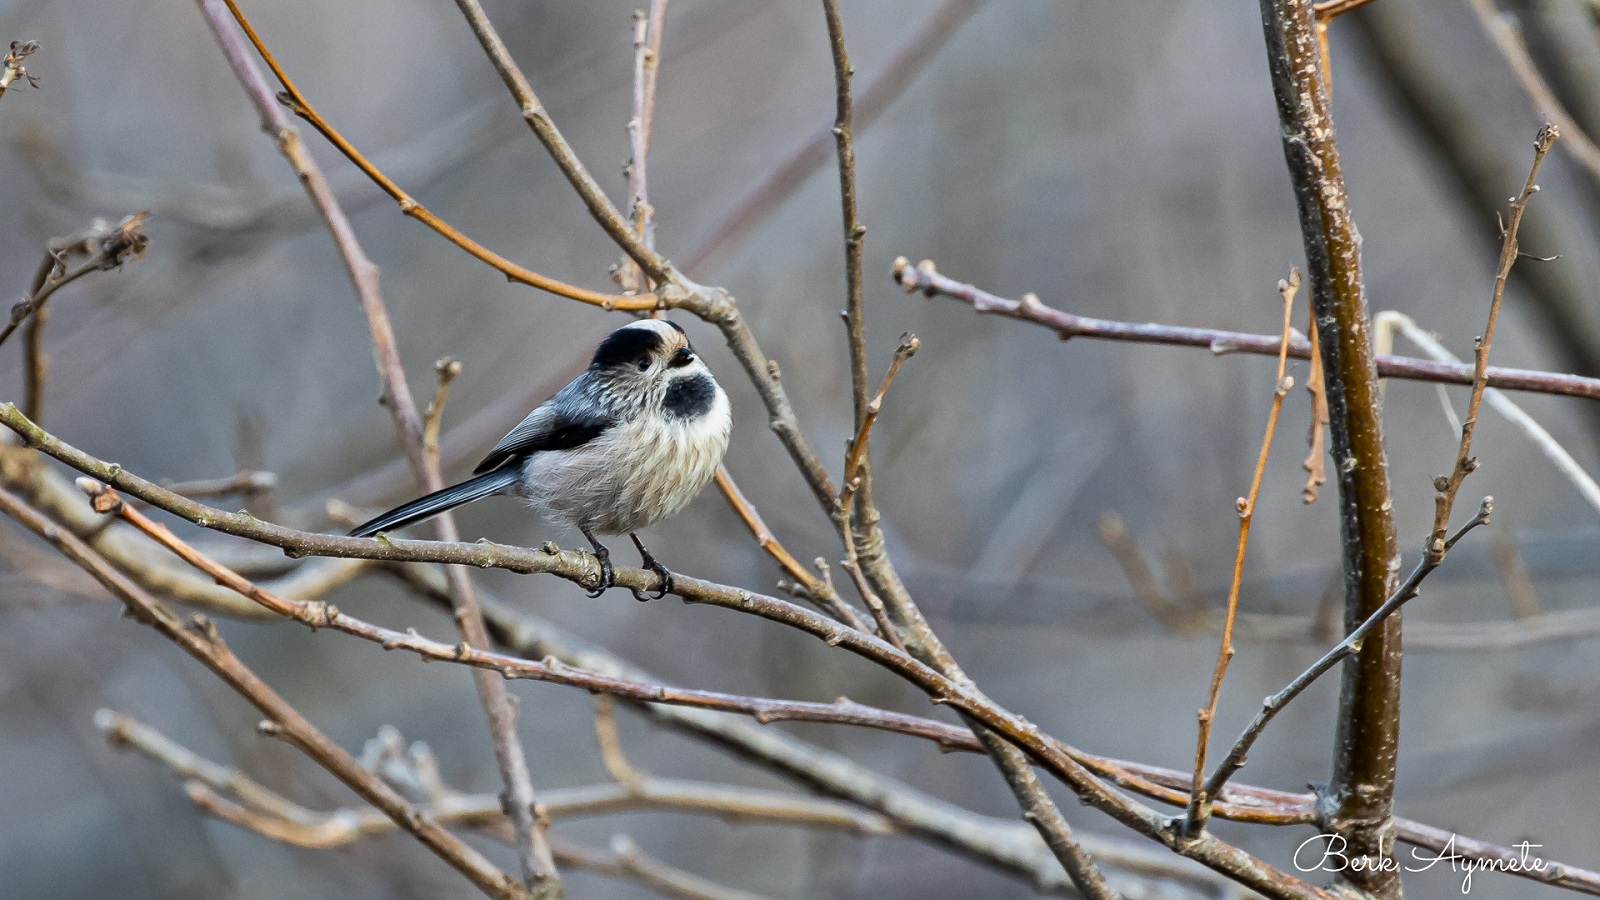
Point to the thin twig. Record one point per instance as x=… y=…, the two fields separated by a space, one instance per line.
x=448 y=370
x=1316 y=453
x=611 y=755
x=854 y=233
x=818 y=590
x=13 y=68
x=1446 y=487
x=1513 y=573
x=538 y=867
x=669 y=881
x=1542 y=438
x=1181 y=620
x=1200 y=801
x=1328 y=10
x=647 y=31
x=199 y=638
x=1504 y=31
x=302 y=107
x=925 y=278
x=1351 y=644
x=855 y=476
x=761 y=201
x=107 y=248
x=244 y=483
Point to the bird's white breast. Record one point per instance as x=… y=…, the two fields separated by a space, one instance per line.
x=639 y=472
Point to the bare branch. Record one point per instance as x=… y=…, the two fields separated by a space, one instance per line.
x=1447 y=486
x=925 y=278
x=199 y=639
x=646 y=64
x=302 y=107
x=107 y=248
x=1200 y=800
x=244 y=483
x=538 y=867
x=1506 y=34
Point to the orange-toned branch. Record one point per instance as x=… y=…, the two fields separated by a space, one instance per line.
x=297 y=102
x=1199 y=803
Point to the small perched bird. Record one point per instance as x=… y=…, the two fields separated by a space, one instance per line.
x=624 y=445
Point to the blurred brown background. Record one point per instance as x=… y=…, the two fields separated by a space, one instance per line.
x=1120 y=159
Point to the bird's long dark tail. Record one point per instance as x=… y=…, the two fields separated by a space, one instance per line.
x=439 y=501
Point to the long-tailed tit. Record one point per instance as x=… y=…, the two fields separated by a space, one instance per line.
x=624 y=445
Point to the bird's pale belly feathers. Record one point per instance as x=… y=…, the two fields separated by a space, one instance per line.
x=644 y=472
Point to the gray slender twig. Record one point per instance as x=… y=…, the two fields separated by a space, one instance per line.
x=886 y=85
x=925 y=278
x=198 y=637
x=1341 y=651
x=538 y=867
x=1541 y=437
x=1504 y=32
x=108 y=247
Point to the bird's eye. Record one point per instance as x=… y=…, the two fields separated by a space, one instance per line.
x=644 y=363
x=682 y=358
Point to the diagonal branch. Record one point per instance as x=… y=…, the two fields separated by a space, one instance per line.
x=538 y=867
x=761 y=201
x=408 y=204
x=533 y=112
x=956 y=692
x=1448 y=486
x=198 y=637
x=1200 y=799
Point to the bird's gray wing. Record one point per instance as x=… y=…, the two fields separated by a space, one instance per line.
x=553 y=426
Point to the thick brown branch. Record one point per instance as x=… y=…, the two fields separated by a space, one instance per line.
x=1361 y=793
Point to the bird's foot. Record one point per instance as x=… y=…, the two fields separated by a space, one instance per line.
x=608 y=575
x=662 y=572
